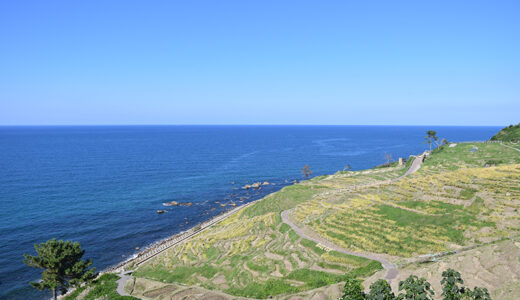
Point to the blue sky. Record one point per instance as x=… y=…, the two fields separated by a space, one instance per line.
x=260 y=62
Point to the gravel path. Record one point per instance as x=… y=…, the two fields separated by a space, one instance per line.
x=391 y=268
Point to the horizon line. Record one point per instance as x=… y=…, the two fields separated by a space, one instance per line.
x=134 y=125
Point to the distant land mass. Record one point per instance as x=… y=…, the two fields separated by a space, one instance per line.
x=508 y=134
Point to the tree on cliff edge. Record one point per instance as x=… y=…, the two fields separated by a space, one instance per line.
x=306 y=171
x=431 y=136
x=62 y=264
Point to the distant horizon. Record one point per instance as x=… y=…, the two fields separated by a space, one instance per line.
x=131 y=125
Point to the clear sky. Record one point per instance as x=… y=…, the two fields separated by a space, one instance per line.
x=260 y=62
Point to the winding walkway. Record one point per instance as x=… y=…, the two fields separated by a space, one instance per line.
x=121 y=282
x=391 y=268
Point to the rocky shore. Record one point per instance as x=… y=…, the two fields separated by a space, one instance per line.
x=162 y=245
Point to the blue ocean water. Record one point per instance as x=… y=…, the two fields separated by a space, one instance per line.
x=102 y=185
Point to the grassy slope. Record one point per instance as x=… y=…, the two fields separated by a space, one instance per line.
x=508 y=134
x=102 y=288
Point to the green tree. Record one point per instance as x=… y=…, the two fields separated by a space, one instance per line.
x=480 y=294
x=306 y=171
x=450 y=285
x=415 y=289
x=380 y=290
x=353 y=290
x=431 y=136
x=62 y=264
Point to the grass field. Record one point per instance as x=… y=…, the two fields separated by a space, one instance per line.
x=102 y=288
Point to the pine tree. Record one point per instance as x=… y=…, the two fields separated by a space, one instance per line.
x=62 y=264
x=431 y=136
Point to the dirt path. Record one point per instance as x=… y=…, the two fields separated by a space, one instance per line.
x=391 y=268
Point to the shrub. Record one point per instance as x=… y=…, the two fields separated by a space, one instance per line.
x=380 y=290
x=353 y=290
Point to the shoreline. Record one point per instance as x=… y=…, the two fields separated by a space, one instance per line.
x=162 y=245
x=159 y=246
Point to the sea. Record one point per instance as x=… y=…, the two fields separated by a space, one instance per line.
x=102 y=185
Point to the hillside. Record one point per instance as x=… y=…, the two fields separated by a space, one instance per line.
x=508 y=134
x=459 y=208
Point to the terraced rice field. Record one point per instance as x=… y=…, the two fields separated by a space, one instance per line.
x=460 y=197
x=257 y=256
x=445 y=206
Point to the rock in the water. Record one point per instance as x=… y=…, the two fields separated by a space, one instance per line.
x=266 y=183
x=161 y=211
x=171 y=203
x=254 y=185
x=186 y=204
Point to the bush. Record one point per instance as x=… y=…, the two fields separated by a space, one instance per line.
x=380 y=290
x=353 y=290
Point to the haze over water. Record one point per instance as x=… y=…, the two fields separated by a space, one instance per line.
x=102 y=186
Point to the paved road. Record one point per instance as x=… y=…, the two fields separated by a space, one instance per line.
x=416 y=165
x=125 y=276
x=391 y=268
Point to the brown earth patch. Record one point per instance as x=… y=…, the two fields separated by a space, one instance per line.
x=160 y=291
